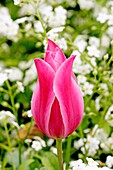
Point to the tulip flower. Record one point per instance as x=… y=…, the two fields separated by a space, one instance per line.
x=57 y=102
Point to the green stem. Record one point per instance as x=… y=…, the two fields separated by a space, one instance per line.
x=9 y=144
x=11 y=95
x=39 y=17
x=68 y=150
x=59 y=153
x=41 y=21
x=11 y=98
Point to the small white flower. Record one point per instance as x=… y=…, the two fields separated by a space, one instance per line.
x=82 y=69
x=92 y=145
x=92 y=163
x=110 y=32
x=77 y=165
x=102 y=17
x=28 y=141
x=55 y=30
x=105 y=41
x=94 y=41
x=62 y=43
x=87 y=88
x=27 y=9
x=50 y=142
x=81 y=79
x=97 y=102
x=86 y=4
x=76 y=53
x=109 y=116
x=36 y=145
x=30 y=75
x=15 y=74
x=3 y=78
x=93 y=51
x=33 y=86
x=29 y=114
x=54 y=150
x=110 y=20
x=38 y=26
x=8 y=117
x=17 y=2
x=80 y=43
x=109 y=161
x=25 y=65
x=20 y=86
x=78 y=144
x=42 y=142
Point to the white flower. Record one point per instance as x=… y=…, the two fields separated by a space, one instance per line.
x=8 y=117
x=109 y=116
x=25 y=65
x=76 y=53
x=104 y=86
x=62 y=43
x=94 y=41
x=86 y=4
x=8 y=27
x=30 y=75
x=110 y=20
x=21 y=20
x=29 y=114
x=33 y=86
x=38 y=26
x=40 y=140
x=101 y=135
x=110 y=32
x=3 y=78
x=92 y=145
x=46 y=11
x=54 y=150
x=87 y=88
x=81 y=79
x=15 y=74
x=80 y=43
x=77 y=165
x=17 y=2
x=109 y=161
x=102 y=17
x=50 y=142
x=78 y=144
x=58 y=17
x=105 y=41
x=82 y=69
x=92 y=163
x=27 y=9
x=20 y=86
x=28 y=141
x=93 y=51
x=97 y=102
x=36 y=145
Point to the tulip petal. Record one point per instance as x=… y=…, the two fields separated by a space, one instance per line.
x=52 y=46
x=69 y=96
x=56 y=126
x=54 y=55
x=43 y=95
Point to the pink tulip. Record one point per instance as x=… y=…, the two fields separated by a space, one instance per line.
x=57 y=104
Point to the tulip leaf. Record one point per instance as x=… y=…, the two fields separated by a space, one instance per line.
x=25 y=164
x=49 y=160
